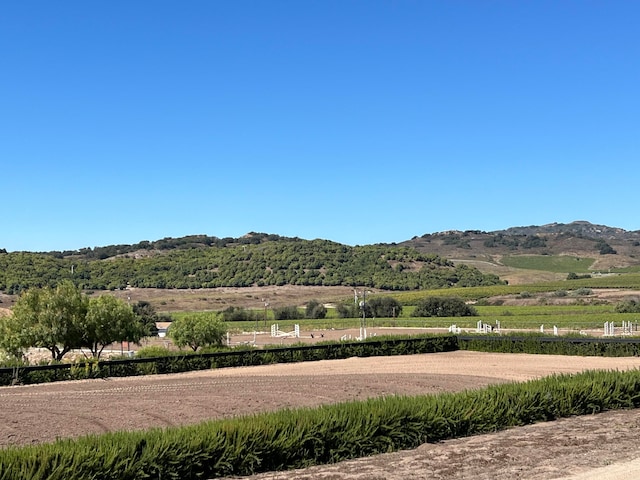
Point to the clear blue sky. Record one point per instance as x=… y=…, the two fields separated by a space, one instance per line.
x=354 y=121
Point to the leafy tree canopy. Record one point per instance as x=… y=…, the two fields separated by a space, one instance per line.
x=257 y=259
x=197 y=330
x=63 y=318
x=443 y=307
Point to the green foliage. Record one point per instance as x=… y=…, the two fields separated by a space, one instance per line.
x=259 y=260
x=628 y=306
x=536 y=343
x=582 y=292
x=302 y=437
x=347 y=310
x=148 y=317
x=108 y=320
x=383 y=306
x=315 y=310
x=443 y=307
x=239 y=314
x=287 y=313
x=604 y=248
x=50 y=318
x=63 y=318
x=197 y=330
x=575 y=276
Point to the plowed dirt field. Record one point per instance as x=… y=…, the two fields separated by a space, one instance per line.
x=42 y=413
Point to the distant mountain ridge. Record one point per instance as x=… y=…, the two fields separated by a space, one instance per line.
x=578 y=228
x=608 y=247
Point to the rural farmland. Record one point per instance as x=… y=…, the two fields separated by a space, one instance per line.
x=42 y=413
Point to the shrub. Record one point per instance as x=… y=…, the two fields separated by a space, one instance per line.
x=287 y=313
x=315 y=309
x=443 y=307
x=384 y=307
x=582 y=292
x=628 y=306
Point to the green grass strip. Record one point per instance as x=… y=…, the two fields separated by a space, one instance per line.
x=303 y=437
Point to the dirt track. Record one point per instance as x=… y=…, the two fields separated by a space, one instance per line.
x=42 y=413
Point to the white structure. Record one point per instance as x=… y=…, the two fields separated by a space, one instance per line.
x=276 y=332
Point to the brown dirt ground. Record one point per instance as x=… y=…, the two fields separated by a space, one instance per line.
x=42 y=413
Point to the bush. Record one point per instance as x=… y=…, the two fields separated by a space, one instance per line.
x=443 y=307
x=582 y=292
x=287 y=313
x=348 y=310
x=628 y=306
x=315 y=309
x=384 y=307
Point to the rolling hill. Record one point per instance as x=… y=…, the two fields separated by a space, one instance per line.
x=599 y=248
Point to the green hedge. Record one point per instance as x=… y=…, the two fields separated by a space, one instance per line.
x=376 y=346
x=539 y=344
x=302 y=437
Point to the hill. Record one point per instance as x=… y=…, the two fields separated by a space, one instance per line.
x=603 y=248
x=253 y=260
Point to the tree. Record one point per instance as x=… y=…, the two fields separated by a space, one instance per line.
x=628 y=306
x=315 y=309
x=443 y=307
x=147 y=315
x=287 y=313
x=14 y=336
x=108 y=320
x=52 y=318
x=384 y=307
x=197 y=330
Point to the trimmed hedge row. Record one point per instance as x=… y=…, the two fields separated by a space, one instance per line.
x=378 y=346
x=303 y=437
x=537 y=344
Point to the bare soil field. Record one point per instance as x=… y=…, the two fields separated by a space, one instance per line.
x=42 y=413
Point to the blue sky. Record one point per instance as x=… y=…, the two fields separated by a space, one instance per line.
x=354 y=121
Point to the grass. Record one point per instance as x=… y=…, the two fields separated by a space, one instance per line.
x=550 y=263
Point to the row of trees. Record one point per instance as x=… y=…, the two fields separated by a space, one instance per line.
x=63 y=318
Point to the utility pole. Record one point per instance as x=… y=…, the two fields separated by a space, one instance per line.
x=363 y=321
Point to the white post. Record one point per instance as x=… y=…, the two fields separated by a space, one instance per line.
x=542 y=328
x=555 y=330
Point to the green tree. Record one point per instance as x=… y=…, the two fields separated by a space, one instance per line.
x=384 y=307
x=197 y=330
x=443 y=307
x=148 y=316
x=108 y=320
x=14 y=336
x=287 y=313
x=628 y=306
x=315 y=309
x=52 y=318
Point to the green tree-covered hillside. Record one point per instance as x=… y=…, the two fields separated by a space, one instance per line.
x=257 y=259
